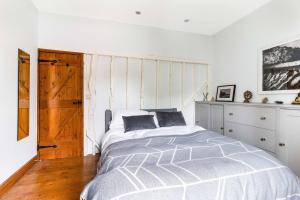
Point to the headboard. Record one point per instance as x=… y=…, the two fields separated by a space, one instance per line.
x=108 y=115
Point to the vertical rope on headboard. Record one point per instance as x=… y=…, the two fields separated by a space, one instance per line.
x=194 y=89
x=91 y=114
x=127 y=64
x=91 y=86
x=142 y=85
x=110 y=81
x=156 y=84
x=170 y=82
x=194 y=81
x=207 y=78
x=181 y=90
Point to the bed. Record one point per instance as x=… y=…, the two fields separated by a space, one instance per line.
x=186 y=162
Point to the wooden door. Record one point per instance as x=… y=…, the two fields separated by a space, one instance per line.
x=60 y=104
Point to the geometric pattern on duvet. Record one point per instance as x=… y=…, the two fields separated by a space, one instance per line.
x=199 y=166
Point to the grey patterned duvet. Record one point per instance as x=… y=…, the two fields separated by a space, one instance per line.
x=198 y=166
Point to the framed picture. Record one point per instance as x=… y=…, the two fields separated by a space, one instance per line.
x=225 y=93
x=279 y=68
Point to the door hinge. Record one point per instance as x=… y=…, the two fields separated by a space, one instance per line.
x=45 y=60
x=44 y=147
x=77 y=102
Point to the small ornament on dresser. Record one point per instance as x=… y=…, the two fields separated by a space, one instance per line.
x=205 y=96
x=212 y=99
x=279 y=102
x=247 y=96
x=297 y=100
x=265 y=100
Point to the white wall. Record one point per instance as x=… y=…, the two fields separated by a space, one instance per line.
x=97 y=36
x=18 y=29
x=236 y=47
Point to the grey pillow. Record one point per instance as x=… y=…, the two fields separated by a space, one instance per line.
x=138 y=122
x=166 y=119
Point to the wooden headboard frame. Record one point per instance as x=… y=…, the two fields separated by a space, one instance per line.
x=108 y=115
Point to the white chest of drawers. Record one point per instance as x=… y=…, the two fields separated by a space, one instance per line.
x=274 y=128
x=253 y=116
x=254 y=125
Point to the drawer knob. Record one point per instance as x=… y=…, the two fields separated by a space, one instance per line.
x=197 y=121
x=230 y=114
x=263 y=118
x=222 y=128
x=262 y=139
x=230 y=130
x=281 y=144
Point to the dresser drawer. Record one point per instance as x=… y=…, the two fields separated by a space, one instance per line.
x=231 y=130
x=253 y=116
x=262 y=138
x=266 y=140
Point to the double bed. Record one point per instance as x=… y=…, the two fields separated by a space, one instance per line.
x=186 y=162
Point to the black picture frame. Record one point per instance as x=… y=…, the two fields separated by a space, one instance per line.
x=279 y=61
x=225 y=97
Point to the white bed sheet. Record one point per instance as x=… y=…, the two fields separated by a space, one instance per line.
x=117 y=134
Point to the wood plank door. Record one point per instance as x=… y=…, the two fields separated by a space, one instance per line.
x=60 y=104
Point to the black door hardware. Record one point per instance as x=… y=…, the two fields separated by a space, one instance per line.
x=47 y=146
x=77 y=102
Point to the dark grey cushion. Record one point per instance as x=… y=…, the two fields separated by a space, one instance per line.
x=138 y=122
x=170 y=119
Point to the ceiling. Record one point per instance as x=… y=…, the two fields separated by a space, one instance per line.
x=205 y=16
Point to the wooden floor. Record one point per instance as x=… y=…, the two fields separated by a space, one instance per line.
x=54 y=179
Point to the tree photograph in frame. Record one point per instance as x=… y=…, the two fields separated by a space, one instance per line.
x=225 y=93
x=279 y=68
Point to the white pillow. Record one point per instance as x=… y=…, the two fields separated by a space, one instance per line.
x=155 y=118
x=117 y=120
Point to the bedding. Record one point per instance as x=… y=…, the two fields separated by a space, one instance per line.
x=139 y=122
x=187 y=162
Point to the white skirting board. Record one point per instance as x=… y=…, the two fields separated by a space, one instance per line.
x=113 y=82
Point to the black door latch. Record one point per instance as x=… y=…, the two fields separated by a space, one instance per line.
x=44 y=147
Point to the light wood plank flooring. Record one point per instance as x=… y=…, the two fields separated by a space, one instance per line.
x=60 y=179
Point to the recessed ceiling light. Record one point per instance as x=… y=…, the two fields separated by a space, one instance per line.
x=138 y=12
x=187 y=20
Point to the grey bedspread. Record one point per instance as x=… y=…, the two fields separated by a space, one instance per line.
x=199 y=166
